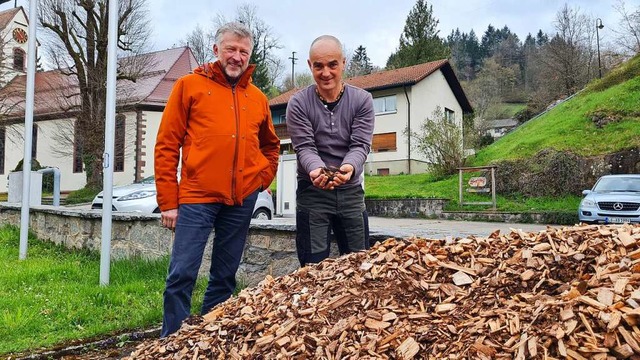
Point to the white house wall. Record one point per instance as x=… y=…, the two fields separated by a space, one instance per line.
x=426 y=96
x=47 y=155
x=152 y=122
x=392 y=123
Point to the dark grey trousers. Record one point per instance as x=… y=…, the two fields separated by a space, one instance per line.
x=318 y=212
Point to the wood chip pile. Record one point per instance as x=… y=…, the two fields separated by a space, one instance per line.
x=561 y=293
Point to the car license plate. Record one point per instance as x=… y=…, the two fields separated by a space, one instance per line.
x=616 y=220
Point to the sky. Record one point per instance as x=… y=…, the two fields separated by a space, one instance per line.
x=374 y=24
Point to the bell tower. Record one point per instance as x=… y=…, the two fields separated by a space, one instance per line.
x=14 y=42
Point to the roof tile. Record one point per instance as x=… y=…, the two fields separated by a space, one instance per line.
x=7 y=15
x=56 y=93
x=379 y=80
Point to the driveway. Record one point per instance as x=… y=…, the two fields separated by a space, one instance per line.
x=425 y=228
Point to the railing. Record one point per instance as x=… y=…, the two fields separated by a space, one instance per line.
x=281 y=131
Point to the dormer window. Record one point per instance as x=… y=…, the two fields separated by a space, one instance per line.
x=18 y=59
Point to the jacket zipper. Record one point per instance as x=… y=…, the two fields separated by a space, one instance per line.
x=235 y=154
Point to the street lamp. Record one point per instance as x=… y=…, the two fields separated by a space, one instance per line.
x=599 y=26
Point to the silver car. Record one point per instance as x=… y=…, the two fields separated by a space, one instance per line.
x=141 y=197
x=614 y=199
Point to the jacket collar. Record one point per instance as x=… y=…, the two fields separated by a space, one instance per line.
x=214 y=72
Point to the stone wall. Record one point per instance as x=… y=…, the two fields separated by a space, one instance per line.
x=270 y=249
x=557 y=218
x=405 y=208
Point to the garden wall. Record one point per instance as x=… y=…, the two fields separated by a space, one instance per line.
x=270 y=249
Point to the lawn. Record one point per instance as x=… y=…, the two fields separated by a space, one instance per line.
x=426 y=186
x=569 y=127
x=54 y=295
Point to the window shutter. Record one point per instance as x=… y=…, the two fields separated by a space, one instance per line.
x=384 y=142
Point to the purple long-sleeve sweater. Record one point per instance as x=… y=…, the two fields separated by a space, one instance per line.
x=331 y=138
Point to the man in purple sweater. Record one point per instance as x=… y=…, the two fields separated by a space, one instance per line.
x=331 y=126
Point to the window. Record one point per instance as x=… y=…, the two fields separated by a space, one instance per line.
x=279 y=119
x=34 y=144
x=77 y=151
x=118 y=155
x=384 y=105
x=384 y=142
x=2 y=140
x=18 y=59
x=383 y=172
x=449 y=115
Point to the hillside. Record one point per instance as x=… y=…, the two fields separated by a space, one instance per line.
x=613 y=101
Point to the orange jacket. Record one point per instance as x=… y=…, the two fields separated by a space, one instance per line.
x=229 y=146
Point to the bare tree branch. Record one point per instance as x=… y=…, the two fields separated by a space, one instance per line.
x=77 y=38
x=628 y=30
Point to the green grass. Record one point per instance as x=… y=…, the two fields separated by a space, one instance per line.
x=54 y=295
x=84 y=195
x=426 y=186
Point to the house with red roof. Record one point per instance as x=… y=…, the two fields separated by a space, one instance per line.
x=403 y=99
x=139 y=108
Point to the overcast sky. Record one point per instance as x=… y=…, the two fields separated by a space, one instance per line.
x=375 y=24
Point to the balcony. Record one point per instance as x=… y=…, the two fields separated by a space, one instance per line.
x=281 y=131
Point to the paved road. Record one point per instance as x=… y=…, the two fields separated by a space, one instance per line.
x=434 y=229
x=405 y=227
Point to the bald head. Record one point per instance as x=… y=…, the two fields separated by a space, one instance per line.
x=326 y=41
x=327 y=62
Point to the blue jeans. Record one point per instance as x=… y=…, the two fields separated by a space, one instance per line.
x=195 y=222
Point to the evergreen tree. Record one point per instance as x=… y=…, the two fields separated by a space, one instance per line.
x=360 y=63
x=489 y=39
x=541 y=38
x=419 y=42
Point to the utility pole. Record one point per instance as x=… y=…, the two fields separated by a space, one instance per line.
x=293 y=65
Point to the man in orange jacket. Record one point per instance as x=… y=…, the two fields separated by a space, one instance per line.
x=218 y=124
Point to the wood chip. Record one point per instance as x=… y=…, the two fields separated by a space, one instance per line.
x=571 y=292
x=408 y=349
x=460 y=278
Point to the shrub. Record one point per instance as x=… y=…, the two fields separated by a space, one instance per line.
x=47 y=179
x=84 y=195
x=548 y=173
x=440 y=141
x=485 y=140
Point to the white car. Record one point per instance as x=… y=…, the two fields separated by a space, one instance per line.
x=141 y=197
x=614 y=199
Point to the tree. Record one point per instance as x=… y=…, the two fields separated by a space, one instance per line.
x=569 y=55
x=501 y=43
x=489 y=87
x=77 y=32
x=440 y=141
x=465 y=53
x=360 y=64
x=201 y=44
x=302 y=80
x=541 y=38
x=629 y=29
x=419 y=41
x=268 y=66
